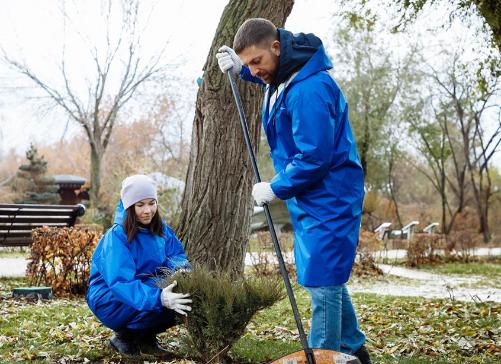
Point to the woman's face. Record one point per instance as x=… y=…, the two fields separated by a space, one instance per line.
x=145 y=210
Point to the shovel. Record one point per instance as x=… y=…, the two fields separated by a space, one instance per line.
x=307 y=355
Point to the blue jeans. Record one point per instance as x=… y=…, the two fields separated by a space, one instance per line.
x=334 y=323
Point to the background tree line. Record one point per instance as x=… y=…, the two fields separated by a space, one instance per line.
x=427 y=131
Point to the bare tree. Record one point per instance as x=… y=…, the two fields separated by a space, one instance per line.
x=393 y=185
x=97 y=113
x=217 y=205
x=485 y=146
x=433 y=147
x=470 y=102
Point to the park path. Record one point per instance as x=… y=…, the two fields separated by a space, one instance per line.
x=418 y=283
x=13 y=267
x=414 y=282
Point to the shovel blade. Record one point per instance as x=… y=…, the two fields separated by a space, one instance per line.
x=322 y=356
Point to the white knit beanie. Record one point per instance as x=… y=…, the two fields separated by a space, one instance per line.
x=136 y=188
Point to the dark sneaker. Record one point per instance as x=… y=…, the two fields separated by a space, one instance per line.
x=151 y=347
x=148 y=344
x=363 y=355
x=123 y=342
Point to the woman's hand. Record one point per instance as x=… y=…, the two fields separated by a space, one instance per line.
x=175 y=301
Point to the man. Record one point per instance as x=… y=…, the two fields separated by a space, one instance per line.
x=318 y=171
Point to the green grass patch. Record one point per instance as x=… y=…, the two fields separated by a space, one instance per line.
x=14 y=252
x=7 y=284
x=405 y=330
x=476 y=268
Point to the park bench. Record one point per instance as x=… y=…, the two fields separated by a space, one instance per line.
x=430 y=228
x=17 y=220
x=406 y=232
x=383 y=230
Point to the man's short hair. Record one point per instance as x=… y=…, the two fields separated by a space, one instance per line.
x=254 y=32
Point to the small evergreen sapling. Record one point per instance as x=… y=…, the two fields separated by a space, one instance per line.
x=222 y=308
x=32 y=180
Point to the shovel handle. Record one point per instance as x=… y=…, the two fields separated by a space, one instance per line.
x=243 y=121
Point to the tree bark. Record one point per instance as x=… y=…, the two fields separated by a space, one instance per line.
x=95 y=175
x=391 y=183
x=217 y=206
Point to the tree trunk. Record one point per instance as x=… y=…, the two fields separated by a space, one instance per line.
x=95 y=175
x=365 y=142
x=391 y=185
x=217 y=206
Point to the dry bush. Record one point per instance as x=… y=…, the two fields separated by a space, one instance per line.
x=61 y=257
x=422 y=249
x=365 y=265
x=369 y=241
x=222 y=308
x=465 y=236
x=463 y=243
x=263 y=258
x=97 y=228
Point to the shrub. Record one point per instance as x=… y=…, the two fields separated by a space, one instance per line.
x=465 y=236
x=263 y=256
x=422 y=249
x=60 y=258
x=461 y=244
x=369 y=241
x=222 y=308
x=365 y=265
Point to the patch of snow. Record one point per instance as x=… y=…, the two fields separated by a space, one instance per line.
x=13 y=267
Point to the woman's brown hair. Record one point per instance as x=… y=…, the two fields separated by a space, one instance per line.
x=131 y=224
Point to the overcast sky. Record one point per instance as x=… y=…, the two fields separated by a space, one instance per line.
x=34 y=31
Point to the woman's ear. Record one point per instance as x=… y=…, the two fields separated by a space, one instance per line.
x=275 y=48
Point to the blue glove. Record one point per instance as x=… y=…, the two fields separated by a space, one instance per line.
x=178 y=264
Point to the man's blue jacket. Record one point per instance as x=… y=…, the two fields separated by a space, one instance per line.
x=318 y=171
x=123 y=272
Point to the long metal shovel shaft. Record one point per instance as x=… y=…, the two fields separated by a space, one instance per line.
x=243 y=121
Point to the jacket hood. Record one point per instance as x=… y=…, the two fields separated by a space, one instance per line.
x=120 y=213
x=295 y=51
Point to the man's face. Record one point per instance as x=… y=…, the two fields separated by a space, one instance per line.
x=262 y=61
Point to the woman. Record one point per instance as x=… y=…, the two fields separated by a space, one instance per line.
x=122 y=291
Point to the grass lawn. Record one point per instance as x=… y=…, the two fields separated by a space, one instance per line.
x=484 y=268
x=488 y=270
x=14 y=252
x=399 y=330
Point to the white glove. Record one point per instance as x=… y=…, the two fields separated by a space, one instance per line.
x=262 y=193
x=175 y=301
x=227 y=59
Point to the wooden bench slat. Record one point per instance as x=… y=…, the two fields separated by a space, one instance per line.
x=31 y=206
x=22 y=212
x=15 y=241
x=30 y=225
x=33 y=220
x=18 y=220
x=3 y=233
x=6 y=229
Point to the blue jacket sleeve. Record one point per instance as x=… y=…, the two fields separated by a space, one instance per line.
x=174 y=251
x=118 y=269
x=313 y=126
x=246 y=75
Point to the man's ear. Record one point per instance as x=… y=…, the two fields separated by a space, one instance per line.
x=275 y=48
